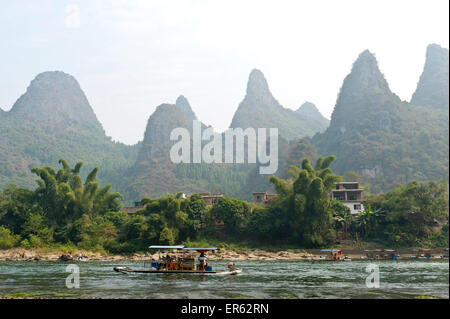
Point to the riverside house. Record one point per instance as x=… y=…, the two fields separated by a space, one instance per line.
x=208 y=198
x=349 y=194
x=211 y=199
x=262 y=198
x=133 y=209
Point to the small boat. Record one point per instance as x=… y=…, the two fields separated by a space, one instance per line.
x=334 y=255
x=422 y=254
x=163 y=271
x=180 y=260
x=382 y=254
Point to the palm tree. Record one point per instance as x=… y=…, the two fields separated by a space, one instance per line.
x=367 y=221
x=363 y=222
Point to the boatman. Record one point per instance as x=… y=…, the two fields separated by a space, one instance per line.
x=202 y=261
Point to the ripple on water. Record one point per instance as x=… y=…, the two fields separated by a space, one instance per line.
x=260 y=279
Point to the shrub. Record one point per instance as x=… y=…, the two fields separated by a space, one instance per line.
x=25 y=244
x=35 y=241
x=7 y=238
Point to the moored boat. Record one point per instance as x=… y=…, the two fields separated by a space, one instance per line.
x=381 y=254
x=422 y=253
x=332 y=255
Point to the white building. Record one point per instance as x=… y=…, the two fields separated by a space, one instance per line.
x=349 y=194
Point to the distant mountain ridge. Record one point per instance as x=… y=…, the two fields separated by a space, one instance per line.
x=260 y=109
x=432 y=89
x=156 y=141
x=364 y=81
x=55 y=100
x=183 y=105
x=375 y=134
x=51 y=120
x=154 y=174
x=371 y=131
x=310 y=111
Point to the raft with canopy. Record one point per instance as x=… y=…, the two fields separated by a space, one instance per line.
x=181 y=259
x=332 y=255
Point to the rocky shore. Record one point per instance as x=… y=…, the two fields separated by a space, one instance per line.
x=20 y=254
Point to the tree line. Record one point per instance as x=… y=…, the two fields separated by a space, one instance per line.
x=64 y=210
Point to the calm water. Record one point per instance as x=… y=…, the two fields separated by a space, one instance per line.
x=260 y=279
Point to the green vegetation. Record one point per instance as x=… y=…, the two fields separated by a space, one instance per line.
x=413 y=146
x=410 y=215
x=386 y=140
x=53 y=120
x=66 y=212
x=7 y=239
x=302 y=212
x=375 y=136
x=21 y=295
x=413 y=215
x=32 y=145
x=289 y=153
x=62 y=209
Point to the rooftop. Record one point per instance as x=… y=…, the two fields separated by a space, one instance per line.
x=347 y=183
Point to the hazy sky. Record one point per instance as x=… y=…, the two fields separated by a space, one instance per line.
x=131 y=56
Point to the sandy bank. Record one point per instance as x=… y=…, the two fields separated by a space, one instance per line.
x=20 y=254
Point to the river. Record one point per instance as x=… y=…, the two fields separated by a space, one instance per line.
x=259 y=279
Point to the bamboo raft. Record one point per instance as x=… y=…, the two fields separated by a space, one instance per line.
x=165 y=271
x=180 y=264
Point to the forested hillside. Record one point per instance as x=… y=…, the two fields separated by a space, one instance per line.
x=388 y=141
x=53 y=120
x=372 y=132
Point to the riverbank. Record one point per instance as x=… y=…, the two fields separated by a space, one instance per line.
x=45 y=254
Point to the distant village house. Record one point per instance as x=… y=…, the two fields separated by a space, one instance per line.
x=262 y=198
x=134 y=209
x=349 y=194
x=211 y=199
x=208 y=198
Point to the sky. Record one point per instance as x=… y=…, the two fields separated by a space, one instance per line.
x=131 y=56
